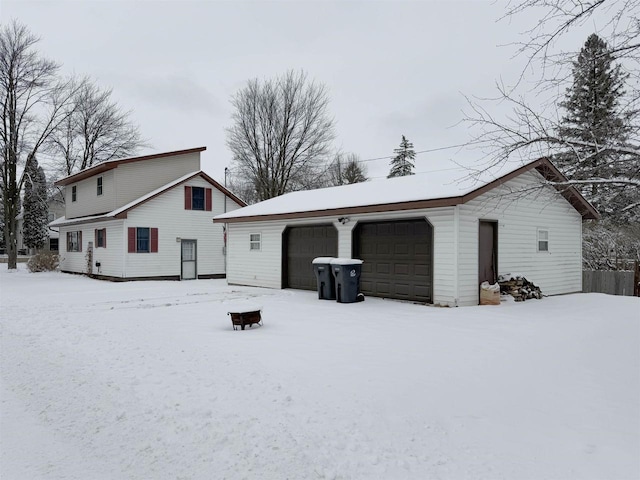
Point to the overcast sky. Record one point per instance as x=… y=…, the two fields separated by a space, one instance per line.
x=391 y=68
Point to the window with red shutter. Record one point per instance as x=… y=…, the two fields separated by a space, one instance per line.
x=154 y=240
x=207 y=200
x=187 y=198
x=131 y=236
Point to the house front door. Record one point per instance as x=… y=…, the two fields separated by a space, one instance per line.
x=189 y=262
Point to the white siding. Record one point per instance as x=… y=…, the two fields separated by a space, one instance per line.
x=135 y=179
x=519 y=216
x=166 y=213
x=261 y=268
x=88 y=202
x=110 y=258
x=264 y=268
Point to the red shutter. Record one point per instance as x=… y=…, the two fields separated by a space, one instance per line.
x=80 y=241
x=95 y=238
x=187 y=198
x=207 y=199
x=132 y=240
x=68 y=240
x=154 y=240
x=104 y=238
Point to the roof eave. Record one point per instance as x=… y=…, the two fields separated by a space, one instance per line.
x=542 y=165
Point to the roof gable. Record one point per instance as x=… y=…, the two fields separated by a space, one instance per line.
x=121 y=212
x=433 y=189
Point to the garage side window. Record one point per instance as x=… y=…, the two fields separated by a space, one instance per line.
x=255 y=241
x=543 y=240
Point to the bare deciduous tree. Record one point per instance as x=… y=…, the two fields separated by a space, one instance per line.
x=533 y=129
x=281 y=133
x=345 y=170
x=96 y=130
x=34 y=103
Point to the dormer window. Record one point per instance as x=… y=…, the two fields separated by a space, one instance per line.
x=74 y=193
x=99 y=186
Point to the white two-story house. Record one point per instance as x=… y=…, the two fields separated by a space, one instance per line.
x=147 y=217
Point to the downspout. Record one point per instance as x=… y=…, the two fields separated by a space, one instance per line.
x=456 y=253
x=224 y=227
x=125 y=247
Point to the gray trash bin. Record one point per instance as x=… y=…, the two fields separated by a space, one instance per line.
x=347 y=274
x=324 y=277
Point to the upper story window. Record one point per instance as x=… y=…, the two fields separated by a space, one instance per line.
x=543 y=240
x=255 y=241
x=197 y=198
x=197 y=195
x=74 y=193
x=99 y=186
x=51 y=216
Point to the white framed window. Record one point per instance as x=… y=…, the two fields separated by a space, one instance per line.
x=99 y=186
x=74 y=241
x=543 y=240
x=74 y=193
x=51 y=216
x=255 y=241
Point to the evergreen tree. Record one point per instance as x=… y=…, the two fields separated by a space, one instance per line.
x=594 y=120
x=402 y=163
x=35 y=207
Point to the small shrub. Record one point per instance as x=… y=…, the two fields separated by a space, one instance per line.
x=44 y=261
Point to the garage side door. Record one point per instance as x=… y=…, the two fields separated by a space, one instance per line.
x=302 y=245
x=397 y=259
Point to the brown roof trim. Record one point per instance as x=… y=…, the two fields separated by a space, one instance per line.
x=215 y=184
x=382 y=207
x=549 y=171
x=110 y=165
x=102 y=217
x=542 y=165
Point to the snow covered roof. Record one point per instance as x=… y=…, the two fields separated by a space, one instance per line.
x=111 y=164
x=444 y=187
x=121 y=211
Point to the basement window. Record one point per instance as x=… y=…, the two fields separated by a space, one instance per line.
x=255 y=241
x=543 y=240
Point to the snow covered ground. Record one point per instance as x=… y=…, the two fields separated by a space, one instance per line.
x=147 y=380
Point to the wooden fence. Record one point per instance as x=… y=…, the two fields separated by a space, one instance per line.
x=613 y=282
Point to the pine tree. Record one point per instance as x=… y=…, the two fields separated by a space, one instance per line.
x=595 y=117
x=402 y=163
x=35 y=207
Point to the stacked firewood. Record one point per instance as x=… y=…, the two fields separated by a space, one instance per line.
x=518 y=287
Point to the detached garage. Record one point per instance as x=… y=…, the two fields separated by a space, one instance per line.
x=428 y=238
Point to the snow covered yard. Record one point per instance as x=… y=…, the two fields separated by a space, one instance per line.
x=147 y=380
